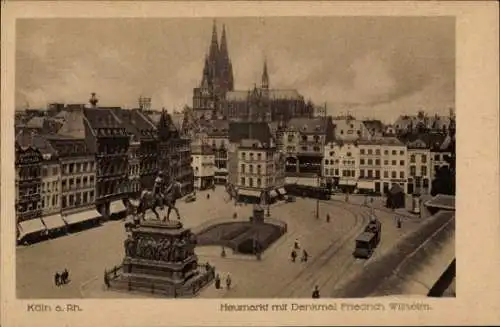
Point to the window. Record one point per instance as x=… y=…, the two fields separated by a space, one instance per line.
x=393 y=174
x=370 y=162
x=424 y=170
x=377 y=152
x=370 y=173
x=242 y=168
x=426 y=183
x=64 y=204
x=349 y=154
x=259 y=156
x=316 y=149
x=336 y=172
x=91 y=180
x=71 y=168
x=377 y=162
x=437 y=157
x=91 y=195
x=71 y=200
x=402 y=152
x=290 y=137
x=394 y=162
x=424 y=158
x=44 y=172
x=258 y=169
x=401 y=162
x=85 y=197
x=412 y=158
x=243 y=155
x=386 y=174
x=401 y=174
x=386 y=162
x=341 y=132
x=413 y=171
x=377 y=173
x=361 y=161
x=259 y=182
x=250 y=182
x=242 y=181
x=362 y=151
x=63 y=183
x=55 y=171
x=326 y=171
x=386 y=152
x=251 y=169
x=332 y=153
x=370 y=151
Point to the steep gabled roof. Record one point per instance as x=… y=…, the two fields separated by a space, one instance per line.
x=308 y=125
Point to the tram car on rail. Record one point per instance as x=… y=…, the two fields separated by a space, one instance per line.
x=306 y=191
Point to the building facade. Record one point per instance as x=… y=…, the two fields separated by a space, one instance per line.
x=419 y=167
x=203 y=165
x=134 y=167
x=304 y=141
x=109 y=140
x=260 y=170
x=175 y=154
x=341 y=165
x=78 y=181
x=217 y=136
x=28 y=189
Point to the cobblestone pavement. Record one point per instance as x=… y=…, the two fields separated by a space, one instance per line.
x=88 y=253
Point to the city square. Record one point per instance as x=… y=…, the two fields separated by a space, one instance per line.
x=251 y=183
x=87 y=254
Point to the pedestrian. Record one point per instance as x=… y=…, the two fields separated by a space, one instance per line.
x=106 y=280
x=296 y=244
x=399 y=222
x=217 y=281
x=327 y=217
x=208 y=196
x=66 y=276
x=305 y=256
x=315 y=294
x=228 y=282
x=293 y=255
x=56 y=279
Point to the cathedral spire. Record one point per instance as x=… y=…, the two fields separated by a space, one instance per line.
x=214 y=45
x=205 y=80
x=265 y=76
x=223 y=45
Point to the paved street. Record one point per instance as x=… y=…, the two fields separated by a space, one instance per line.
x=330 y=245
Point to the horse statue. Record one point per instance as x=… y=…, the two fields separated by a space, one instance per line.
x=149 y=200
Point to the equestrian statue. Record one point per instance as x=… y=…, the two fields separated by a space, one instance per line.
x=159 y=197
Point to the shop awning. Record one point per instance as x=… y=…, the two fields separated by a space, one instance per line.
x=366 y=184
x=30 y=226
x=54 y=221
x=273 y=193
x=81 y=216
x=347 y=182
x=281 y=191
x=116 y=207
x=252 y=193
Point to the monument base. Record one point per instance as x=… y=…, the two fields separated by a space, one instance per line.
x=160 y=260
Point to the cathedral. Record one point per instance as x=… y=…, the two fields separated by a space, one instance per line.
x=215 y=97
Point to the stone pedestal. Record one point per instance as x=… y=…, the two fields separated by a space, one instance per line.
x=160 y=258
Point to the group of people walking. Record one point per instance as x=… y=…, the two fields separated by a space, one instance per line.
x=218 y=282
x=294 y=254
x=61 y=278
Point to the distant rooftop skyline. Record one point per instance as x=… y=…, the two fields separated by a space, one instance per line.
x=373 y=67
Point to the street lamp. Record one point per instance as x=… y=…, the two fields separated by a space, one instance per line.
x=317 y=197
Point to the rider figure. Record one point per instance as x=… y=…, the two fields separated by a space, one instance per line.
x=159 y=185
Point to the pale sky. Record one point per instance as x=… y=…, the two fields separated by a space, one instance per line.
x=378 y=67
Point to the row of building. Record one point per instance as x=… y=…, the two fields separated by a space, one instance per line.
x=97 y=160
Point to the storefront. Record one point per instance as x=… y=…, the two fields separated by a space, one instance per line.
x=249 y=196
x=55 y=224
x=82 y=219
x=117 y=210
x=32 y=230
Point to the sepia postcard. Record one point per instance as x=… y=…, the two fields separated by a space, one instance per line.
x=249 y=163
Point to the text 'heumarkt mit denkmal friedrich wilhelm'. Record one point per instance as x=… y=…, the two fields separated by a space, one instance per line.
x=227 y=307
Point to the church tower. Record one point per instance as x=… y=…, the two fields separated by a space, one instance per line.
x=265 y=77
x=217 y=77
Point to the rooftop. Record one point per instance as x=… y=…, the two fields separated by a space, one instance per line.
x=249 y=130
x=442 y=201
x=308 y=125
x=381 y=141
x=274 y=94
